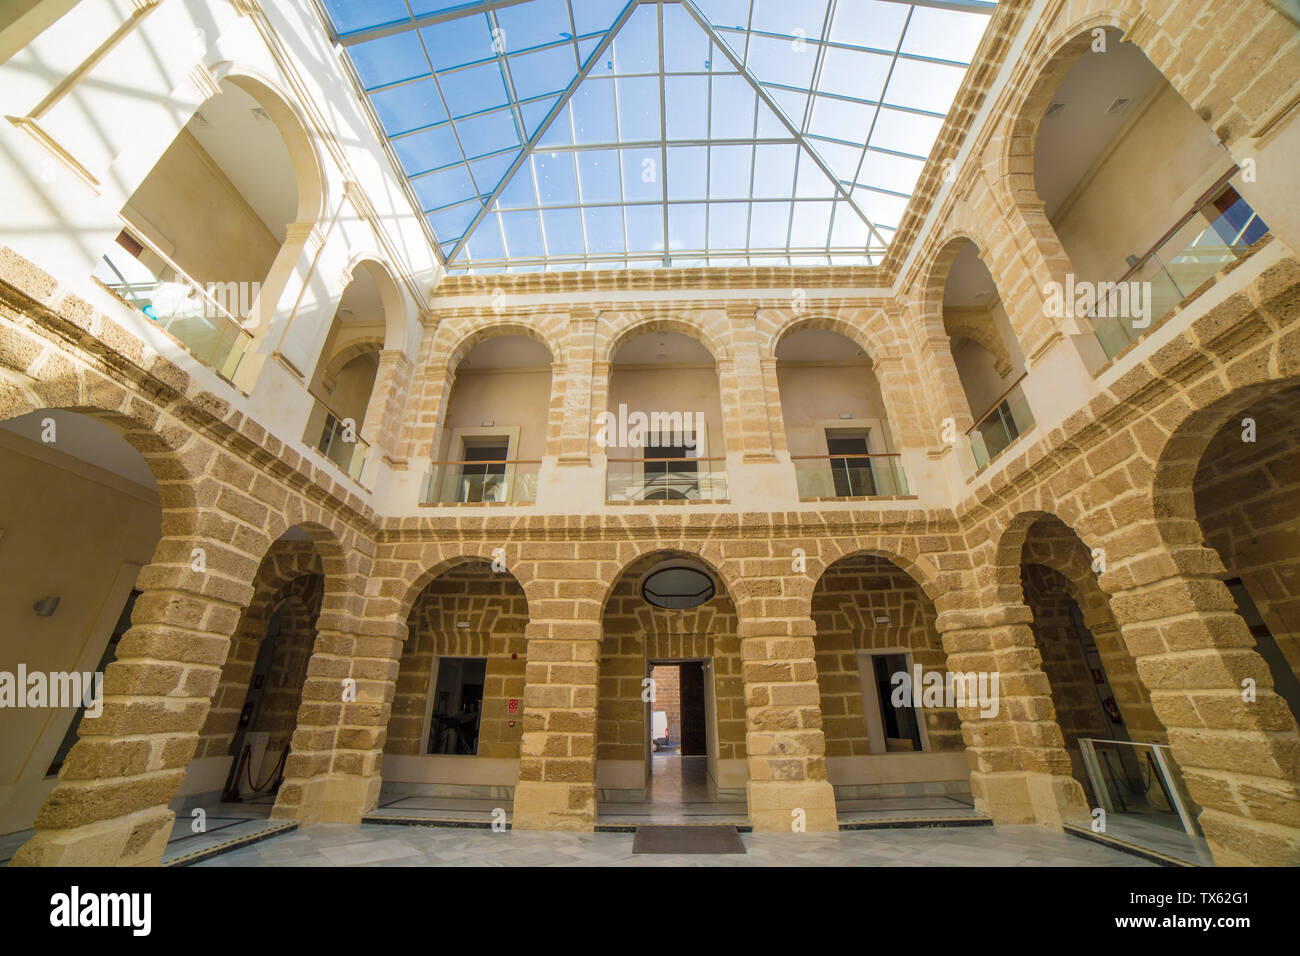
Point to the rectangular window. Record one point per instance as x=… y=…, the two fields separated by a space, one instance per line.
x=674 y=479
x=851 y=475
x=457 y=705
x=483 y=473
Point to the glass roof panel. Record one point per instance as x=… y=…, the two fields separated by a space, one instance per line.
x=549 y=134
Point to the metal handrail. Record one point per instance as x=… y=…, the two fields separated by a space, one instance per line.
x=140 y=237
x=874 y=454
x=1187 y=217
x=663 y=459
x=491 y=461
x=992 y=408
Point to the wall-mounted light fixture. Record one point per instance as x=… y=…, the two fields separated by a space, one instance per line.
x=46 y=605
x=488 y=425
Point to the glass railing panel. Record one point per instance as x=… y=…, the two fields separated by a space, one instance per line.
x=180 y=306
x=672 y=479
x=1001 y=425
x=1219 y=230
x=478 y=482
x=849 y=476
x=337 y=441
x=1141 y=782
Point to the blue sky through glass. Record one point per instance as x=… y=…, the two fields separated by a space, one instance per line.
x=555 y=134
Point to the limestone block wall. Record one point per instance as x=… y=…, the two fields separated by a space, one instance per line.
x=495 y=611
x=635 y=633
x=1248 y=504
x=849 y=600
x=1078 y=712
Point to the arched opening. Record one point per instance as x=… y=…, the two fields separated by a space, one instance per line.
x=879 y=660
x=457 y=716
x=1184 y=219
x=86 y=519
x=670 y=722
x=344 y=381
x=496 y=426
x=987 y=355
x=1118 y=747
x=202 y=232
x=662 y=429
x=1247 y=499
x=836 y=425
x=245 y=741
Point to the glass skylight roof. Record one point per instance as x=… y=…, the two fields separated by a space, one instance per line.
x=563 y=134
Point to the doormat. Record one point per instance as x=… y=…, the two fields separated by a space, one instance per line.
x=688 y=839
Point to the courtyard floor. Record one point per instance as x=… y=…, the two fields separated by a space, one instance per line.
x=383 y=845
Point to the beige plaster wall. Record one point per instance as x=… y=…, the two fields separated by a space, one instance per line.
x=71 y=530
x=195 y=214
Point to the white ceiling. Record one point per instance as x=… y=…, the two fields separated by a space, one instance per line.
x=252 y=154
x=507 y=351
x=88 y=440
x=817 y=345
x=1071 y=141
x=662 y=348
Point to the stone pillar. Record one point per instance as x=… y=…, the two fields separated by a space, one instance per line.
x=387 y=400
x=783 y=720
x=557 y=753
x=1020 y=770
x=1240 y=757
x=580 y=354
x=110 y=805
x=333 y=772
x=745 y=394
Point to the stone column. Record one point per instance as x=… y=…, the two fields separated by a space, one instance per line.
x=333 y=772
x=745 y=395
x=110 y=805
x=387 y=401
x=783 y=720
x=1240 y=756
x=557 y=753
x=1020 y=770
x=579 y=373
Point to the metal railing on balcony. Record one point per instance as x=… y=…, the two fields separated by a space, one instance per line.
x=480 y=482
x=1008 y=419
x=337 y=439
x=1220 y=228
x=849 y=476
x=180 y=307
x=666 y=479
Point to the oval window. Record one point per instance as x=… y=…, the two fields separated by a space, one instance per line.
x=677 y=588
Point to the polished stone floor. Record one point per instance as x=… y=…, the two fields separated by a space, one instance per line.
x=678 y=793
x=221 y=823
x=384 y=845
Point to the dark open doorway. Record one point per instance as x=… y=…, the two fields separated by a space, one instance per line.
x=678 y=731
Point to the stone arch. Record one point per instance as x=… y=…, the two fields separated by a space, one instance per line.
x=176 y=456
x=934 y=335
x=293 y=128
x=726 y=573
x=616 y=332
x=1176 y=462
x=870 y=336
x=354 y=349
x=907 y=557
x=436 y=561
x=845 y=610
x=455 y=339
x=390 y=297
